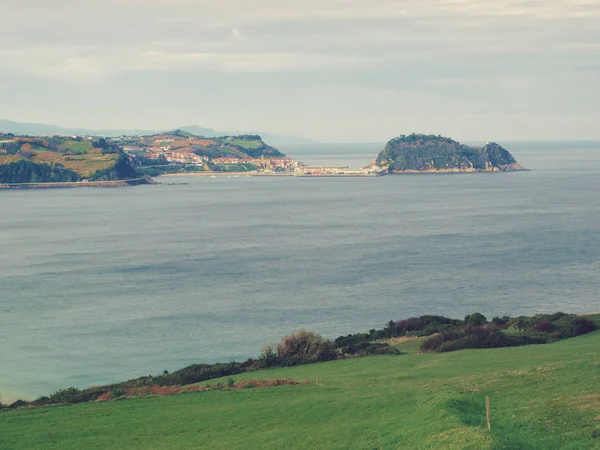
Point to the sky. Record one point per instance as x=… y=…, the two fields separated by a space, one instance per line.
x=331 y=70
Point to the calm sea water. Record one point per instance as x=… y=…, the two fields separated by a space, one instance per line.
x=102 y=285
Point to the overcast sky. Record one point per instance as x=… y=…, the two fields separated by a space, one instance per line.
x=333 y=70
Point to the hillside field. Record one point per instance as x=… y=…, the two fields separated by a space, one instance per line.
x=79 y=156
x=542 y=397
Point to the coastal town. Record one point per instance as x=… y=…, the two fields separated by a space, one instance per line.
x=230 y=154
x=85 y=160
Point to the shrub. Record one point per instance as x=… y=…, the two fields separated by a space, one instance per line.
x=73 y=395
x=434 y=342
x=571 y=325
x=520 y=322
x=117 y=391
x=269 y=358
x=478 y=337
x=369 y=349
x=198 y=372
x=42 y=401
x=104 y=397
x=544 y=326
x=501 y=322
x=18 y=404
x=352 y=342
x=423 y=325
x=362 y=345
x=434 y=328
x=164 y=391
x=301 y=347
x=475 y=319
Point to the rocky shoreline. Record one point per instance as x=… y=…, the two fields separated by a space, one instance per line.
x=490 y=169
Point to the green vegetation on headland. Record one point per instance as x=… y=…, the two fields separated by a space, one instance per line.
x=430 y=153
x=542 y=397
x=18 y=171
x=62 y=159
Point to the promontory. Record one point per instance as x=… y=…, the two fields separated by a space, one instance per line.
x=420 y=153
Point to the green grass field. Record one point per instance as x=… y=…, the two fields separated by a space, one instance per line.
x=78 y=147
x=246 y=143
x=542 y=397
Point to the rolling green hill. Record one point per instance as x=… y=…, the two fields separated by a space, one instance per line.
x=542 y=397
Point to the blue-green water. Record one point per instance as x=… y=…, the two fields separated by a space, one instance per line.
x=102 y=285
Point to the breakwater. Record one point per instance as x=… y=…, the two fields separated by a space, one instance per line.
x=78 y=184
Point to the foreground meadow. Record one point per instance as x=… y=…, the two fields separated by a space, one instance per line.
x=542 y=397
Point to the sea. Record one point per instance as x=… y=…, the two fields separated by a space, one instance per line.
x=99 y=285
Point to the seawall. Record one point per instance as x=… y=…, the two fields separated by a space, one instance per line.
x=78 y=184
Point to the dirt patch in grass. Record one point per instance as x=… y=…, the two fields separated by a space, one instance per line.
x=470 y=437
x=586 y=402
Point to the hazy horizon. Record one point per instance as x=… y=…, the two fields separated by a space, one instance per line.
x=329 y=70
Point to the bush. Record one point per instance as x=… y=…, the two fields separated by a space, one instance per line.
x=475 y=319
x=73 y=395
x=198 y=372
x=42 y=401
x=520 y=322
x=434 y=342
x=478 y=337
x=269 y=358
x=352 y=342
x=570 y=325
x=18 y=404
x=301 y=347
x=423 y=325
x=501 y=322
x=544 y=326
x=370 y=349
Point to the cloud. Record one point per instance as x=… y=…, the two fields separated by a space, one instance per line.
x=115 y=36
x=373 y=57
x=98 y=65
x=237 y=34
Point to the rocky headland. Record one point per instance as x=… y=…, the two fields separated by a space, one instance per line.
x=420 y=153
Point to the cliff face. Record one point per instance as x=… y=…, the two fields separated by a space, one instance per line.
x=429 y=153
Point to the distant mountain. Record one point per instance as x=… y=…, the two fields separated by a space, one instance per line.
x=437 y=154
x=201 y=131
x=41 y=129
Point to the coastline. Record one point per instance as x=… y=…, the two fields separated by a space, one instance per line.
x=209 y=174
x=263 y=174
x=451 y=170
x=9 y=396
x=78 y=184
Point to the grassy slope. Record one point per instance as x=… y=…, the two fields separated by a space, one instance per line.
x=246 y=143
x=542 y=397
x=84 y=164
